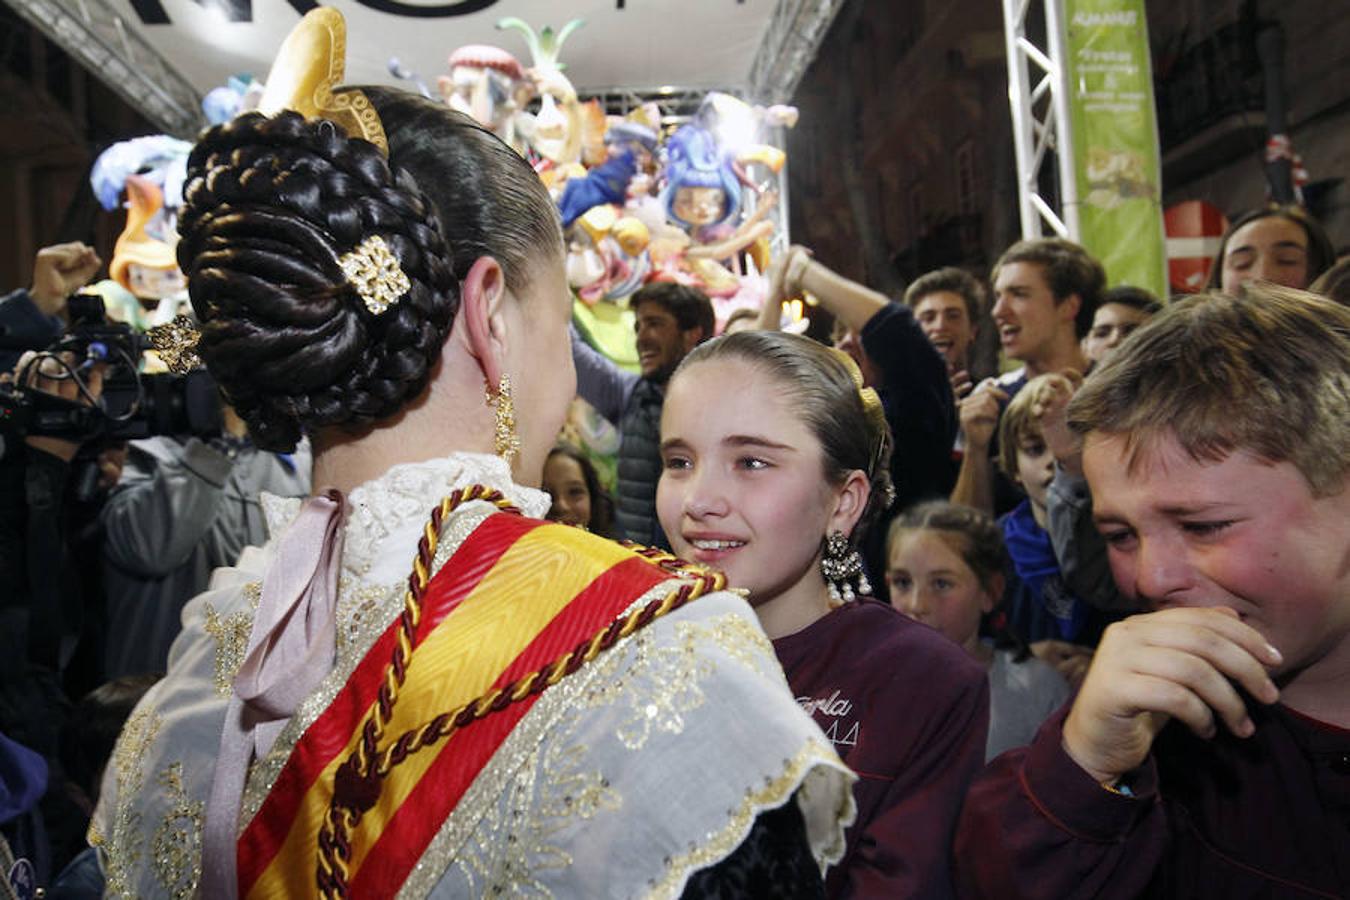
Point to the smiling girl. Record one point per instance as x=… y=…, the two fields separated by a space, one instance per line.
x=769 y=449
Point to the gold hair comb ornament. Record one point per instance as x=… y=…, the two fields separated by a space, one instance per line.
x=310 y=63
x=176 y=343
x=375 y=273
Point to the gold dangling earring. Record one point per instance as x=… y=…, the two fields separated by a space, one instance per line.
x=506 y=442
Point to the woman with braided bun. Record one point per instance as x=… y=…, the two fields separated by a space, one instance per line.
x=775 y=484
x=417 y=687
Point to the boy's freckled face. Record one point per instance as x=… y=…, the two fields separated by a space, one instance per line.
x=1241 y=533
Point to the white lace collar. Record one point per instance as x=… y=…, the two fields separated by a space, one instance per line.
x=399 y=502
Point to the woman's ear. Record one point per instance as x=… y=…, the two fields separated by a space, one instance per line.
x=993 y=592
x=851 y=500
x=480 y=305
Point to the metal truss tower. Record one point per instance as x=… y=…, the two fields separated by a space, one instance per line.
x=93 y=33
x=1038 y=95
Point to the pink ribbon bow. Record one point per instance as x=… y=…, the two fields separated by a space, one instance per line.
x=290 y=650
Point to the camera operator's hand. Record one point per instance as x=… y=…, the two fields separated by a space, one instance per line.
x=59 y=271
x=48 y=375
x=111 y=461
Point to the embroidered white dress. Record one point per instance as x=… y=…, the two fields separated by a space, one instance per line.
x=648 y=764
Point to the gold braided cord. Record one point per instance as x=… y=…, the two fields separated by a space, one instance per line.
x=334 y=850
x=358 y=778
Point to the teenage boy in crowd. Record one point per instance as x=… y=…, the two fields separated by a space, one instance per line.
x=1121 y=311
x=1045 y=294
x=947 y=304
x=1205 y=755
x=672 y=319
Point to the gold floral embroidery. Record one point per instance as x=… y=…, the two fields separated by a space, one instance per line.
x=231 y=635
x=508 y=828
x=546 y=789
x=517 y=841
x=667 y=677
x=177 y=843
x=123 y=846
x=738 y=638
x=500 y=795
x=365 y=611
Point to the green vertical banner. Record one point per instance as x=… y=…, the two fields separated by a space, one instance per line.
x=1109 y=78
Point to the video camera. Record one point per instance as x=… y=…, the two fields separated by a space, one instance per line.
x=133 y=405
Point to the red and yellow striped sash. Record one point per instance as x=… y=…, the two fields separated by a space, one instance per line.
x=516 y=596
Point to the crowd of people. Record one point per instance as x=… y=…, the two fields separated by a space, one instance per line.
x=859 y=621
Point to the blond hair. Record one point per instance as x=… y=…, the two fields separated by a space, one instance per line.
x=1266 y=371
x=1017 y=426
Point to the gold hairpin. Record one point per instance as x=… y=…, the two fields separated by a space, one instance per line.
x=176 y=343
x=310 y=63
x=375 y=273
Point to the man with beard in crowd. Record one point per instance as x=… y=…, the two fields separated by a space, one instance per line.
x=672 y=319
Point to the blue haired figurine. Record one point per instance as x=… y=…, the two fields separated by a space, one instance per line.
x=702 y=190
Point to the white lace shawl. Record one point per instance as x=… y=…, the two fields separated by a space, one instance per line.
x=647 y=765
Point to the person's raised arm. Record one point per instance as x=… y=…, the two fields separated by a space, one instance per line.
x=600 y=382
x=979 y=417
x=771 y=313
x=848 y=301
x=59 y=271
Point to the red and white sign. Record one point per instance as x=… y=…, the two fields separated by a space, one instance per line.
x=1194 y=229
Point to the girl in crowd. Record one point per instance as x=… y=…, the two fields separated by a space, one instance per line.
x=773 y=483
x=1280 y=244
x=578 y=498
x=523 y=712
x=947 y=567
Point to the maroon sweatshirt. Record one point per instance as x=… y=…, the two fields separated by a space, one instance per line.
x=908 y=711
x=1265 y=817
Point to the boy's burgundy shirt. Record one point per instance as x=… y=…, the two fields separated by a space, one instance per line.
x=1264 y=817
x=908 y=711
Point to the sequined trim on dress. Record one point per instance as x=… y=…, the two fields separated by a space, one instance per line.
x=177 y=844
x=774 y=793
x=122 y=847
x=231 y=635
x=504 y=826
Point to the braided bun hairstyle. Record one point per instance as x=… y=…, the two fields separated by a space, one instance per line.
x=271 y=204
x=824 y=386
